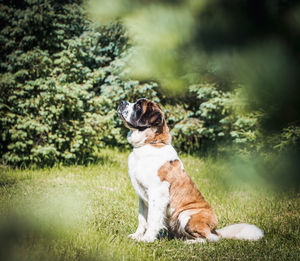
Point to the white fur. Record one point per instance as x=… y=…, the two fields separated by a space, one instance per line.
x=137 y=138
x=212 y=237
x=128 y=111
x=158 y=199
x=184 y=218
x=142 y=219
x=195 y=241
x=143 y=164
x=241 y=231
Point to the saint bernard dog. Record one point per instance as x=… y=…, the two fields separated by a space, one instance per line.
x=168 y=198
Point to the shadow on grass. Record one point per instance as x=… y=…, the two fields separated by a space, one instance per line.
x=7 y=178
x=98 y=159
x=24 y=240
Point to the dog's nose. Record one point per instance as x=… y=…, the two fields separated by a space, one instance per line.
x=123 y=103
x=122 y=106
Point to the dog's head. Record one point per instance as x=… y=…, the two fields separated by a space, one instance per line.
x=141 y=115
x=146 y=122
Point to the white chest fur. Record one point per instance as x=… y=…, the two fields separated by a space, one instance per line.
x=143 y=165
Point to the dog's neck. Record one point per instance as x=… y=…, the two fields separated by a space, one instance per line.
x=157 y=136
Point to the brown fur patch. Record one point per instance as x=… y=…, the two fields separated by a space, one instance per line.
x=184 y=195
x=144 y=106
x=159 y=136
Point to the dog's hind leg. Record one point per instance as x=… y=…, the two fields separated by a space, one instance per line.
x=201 y=227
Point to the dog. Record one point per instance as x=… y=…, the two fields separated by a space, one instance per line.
x=168 y=198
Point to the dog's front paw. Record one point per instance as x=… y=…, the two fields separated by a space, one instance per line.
x=136 y=236
x=148 y=238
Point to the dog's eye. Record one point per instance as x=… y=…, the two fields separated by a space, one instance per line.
x=137 y=106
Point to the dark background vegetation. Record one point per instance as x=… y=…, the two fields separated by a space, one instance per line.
x=63 y=75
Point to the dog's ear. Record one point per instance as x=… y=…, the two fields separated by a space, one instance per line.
x=151 y=115
x=156 y=118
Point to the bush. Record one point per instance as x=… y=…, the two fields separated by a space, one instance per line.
x=215 y=119
x=289 y=138
x=60 y=83
x=62 y=78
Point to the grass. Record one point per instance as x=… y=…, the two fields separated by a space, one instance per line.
x=86 y=213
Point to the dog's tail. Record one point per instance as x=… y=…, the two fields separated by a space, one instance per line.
x=241 y=231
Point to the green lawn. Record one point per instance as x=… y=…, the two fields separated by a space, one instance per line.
x=86 y=213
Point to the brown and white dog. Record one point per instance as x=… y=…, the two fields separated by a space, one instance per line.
x=168 y=198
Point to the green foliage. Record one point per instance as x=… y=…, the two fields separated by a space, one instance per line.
x=55 y=68
x=289 y=138
x=214 y=118
x=62 y=78
x=255 y=43
x=41 y=111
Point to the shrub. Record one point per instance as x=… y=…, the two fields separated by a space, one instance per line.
x=289 y=139
x=60 y=83
x=215 y=118
x=62 y=78
x=49 y=108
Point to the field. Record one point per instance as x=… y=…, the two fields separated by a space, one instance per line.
x=86 y=213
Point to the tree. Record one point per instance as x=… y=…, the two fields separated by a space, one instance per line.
x=53 y=63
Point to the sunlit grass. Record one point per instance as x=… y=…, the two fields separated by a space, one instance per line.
x=86 y=213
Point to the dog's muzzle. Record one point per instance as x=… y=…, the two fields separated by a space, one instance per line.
x=122 y=106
